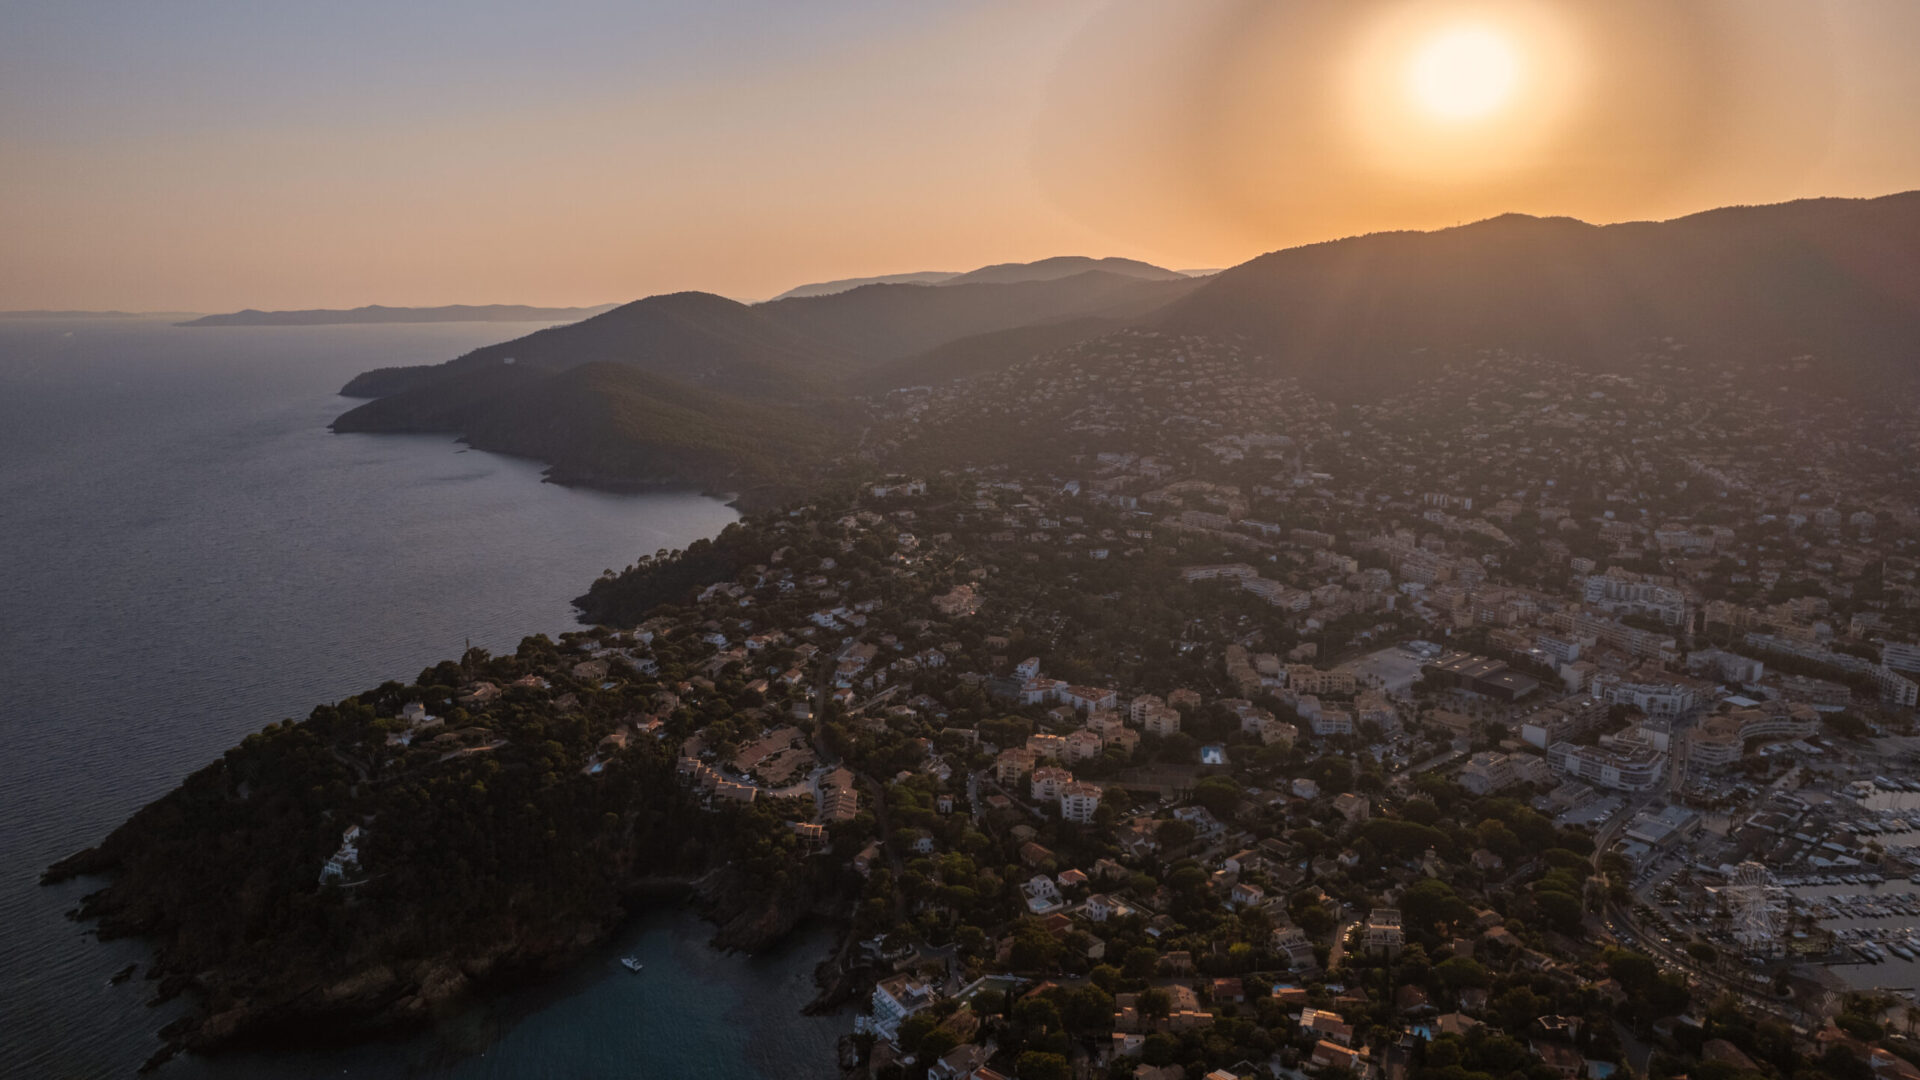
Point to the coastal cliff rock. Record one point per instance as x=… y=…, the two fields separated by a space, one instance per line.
x=327 y=881
x=821 y=890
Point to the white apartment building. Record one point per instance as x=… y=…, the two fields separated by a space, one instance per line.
x=1078 y=801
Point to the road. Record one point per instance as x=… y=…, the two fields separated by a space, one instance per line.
x=1620 y=921
x=1339 y=949
x=1647 y=942
x=1433 y=762
x=1610 y=831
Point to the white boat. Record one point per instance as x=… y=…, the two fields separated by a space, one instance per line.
x=632 y=963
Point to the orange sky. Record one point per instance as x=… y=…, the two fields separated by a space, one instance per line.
x=211 y=157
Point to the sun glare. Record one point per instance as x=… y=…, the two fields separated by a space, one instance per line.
x=1464 y=91
x=1463 y=73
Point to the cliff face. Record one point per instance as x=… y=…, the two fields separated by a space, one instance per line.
x=750 y=923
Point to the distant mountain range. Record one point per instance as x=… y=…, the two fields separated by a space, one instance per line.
x=38 y=313
x=781 y=348
x=828 y=288
x=1835 y=279
x=998 y=274
x=375 y=313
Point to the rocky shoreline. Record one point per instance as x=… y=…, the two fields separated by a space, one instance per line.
x=257 y=1008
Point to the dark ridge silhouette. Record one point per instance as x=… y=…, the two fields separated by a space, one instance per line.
x=999 y=274
x=673 y=378
x=878 y=323
x=828 y=288
x=41 y=313
x=777 y=350
x=613 y=425
x=1835 y=278
x=1062 y=266
x=695 y=337
x=375 y=313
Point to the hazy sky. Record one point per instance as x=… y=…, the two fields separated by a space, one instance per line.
x=194 y=155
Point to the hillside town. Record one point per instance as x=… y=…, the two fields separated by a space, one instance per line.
x=1136 y=712
x=1530 y=723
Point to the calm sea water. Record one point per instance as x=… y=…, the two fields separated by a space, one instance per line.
x=186 y=555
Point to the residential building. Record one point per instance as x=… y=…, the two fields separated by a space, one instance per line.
x=896 y=998
x=1384 y=935
x=1051 y=747
x=1291 y=944
x=1048 y=782
x=1895 y=689
x=1012 y=764
x=1720 y=741
x=1079 y=801
x=1307 y=679
x=1332 y=722
x=1636 y=769
x=1486 y=772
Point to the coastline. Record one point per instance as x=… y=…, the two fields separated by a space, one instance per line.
x=380 y=1004
x=381 y=556
x=747 y=499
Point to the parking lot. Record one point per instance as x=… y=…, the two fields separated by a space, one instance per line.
x=1393 y=670
x=1591 y=814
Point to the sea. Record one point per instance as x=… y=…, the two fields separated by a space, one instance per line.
x=187 y=554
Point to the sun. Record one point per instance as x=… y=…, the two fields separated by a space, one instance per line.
x=1464 y=91
x=1463 y=73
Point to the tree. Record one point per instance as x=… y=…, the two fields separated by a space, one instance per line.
x=1430 y=901
x=1037 y=1014
x=1218 y=794
x=1086 y=1008
x=1420 y=811
x=1188 y=879
x=1037 y=1065
x=913 y=1032
x=1310 y=915
x=1563 y=910
x=1141 y=963
x=1155 y=1004
x=1033 y=947
x=1497 y=837
x=1461 y=972
x=937 y=1043
x=1518 y=1007
x=1173 y=833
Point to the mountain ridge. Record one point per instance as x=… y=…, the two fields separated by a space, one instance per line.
x=1011 y=273
x=829 y=288
x=1831 y=276
x=370 y=314
x=1838 y=279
